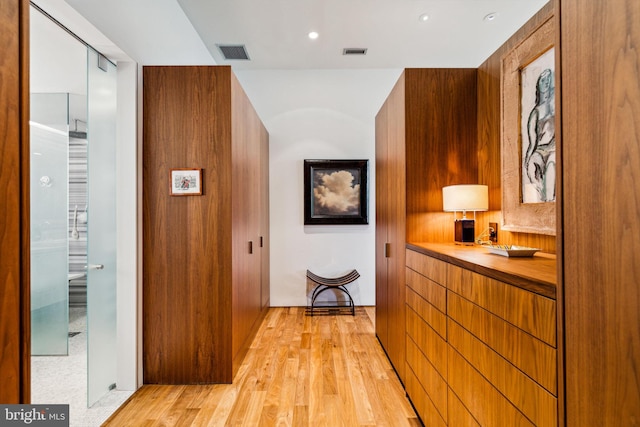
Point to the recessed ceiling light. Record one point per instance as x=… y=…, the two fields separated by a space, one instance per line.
x=423 y=18
x=313 y=35
x=491 y=16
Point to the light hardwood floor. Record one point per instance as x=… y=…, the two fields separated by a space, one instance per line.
x=300 y=371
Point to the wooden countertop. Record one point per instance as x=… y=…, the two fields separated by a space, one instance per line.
x=537 y=274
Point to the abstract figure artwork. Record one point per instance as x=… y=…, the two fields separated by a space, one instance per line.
x=528 y=137
x=538 y=130
x=335 y=191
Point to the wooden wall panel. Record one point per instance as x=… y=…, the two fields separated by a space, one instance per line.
x=440 y=151
x=600 y=44
x=265 y=235
x=489 y=122
x=246 y=133
x=15 y=332
x=391 y=225
x=187 y=239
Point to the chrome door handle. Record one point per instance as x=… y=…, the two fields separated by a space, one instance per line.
x=96 y=267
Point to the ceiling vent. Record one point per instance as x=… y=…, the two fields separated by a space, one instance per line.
x=233 y=51
x=354 y=51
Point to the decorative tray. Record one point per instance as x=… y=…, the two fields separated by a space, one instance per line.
x=512 y=250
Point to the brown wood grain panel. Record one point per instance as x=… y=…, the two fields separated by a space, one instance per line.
x=382 y=220
x=530 y=355
x=187 y=240
x=430 y=380
x=531 y=399
x=482 y=400
x=430 y=267
x=489 y=128
x=434 y=293
x=265 y=235
x=530 y=312
x=15 y=330
x=425 y=408
x=441 y=149
x=435 y=318
x=246 y=132
x=459 y=416
x=601 y=193
x=428 y=341
x=391 y=229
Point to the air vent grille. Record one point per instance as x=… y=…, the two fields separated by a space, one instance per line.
x=236 y=51
x=354 y=51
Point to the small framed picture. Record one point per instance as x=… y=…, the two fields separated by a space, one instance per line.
x=186 y=182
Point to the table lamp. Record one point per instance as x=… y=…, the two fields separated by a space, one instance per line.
x=465 y=198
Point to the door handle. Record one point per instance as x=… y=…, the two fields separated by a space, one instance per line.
x=387 y=250
x=95 y=267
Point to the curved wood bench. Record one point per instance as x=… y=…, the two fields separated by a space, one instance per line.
x=326 y=283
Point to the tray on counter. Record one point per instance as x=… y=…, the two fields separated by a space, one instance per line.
x=512 y=250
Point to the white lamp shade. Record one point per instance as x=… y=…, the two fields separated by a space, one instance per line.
x=465 y=198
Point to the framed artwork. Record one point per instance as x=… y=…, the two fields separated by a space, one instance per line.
x=186 y=182
x=335 y=192
x=528 y=146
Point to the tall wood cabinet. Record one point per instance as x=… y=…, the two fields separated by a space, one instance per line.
x=418 y=134
x=205 y=257
x=601 y=211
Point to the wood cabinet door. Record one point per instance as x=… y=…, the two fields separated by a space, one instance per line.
x=382 y=224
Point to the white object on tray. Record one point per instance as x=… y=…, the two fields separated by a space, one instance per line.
x=512 y=250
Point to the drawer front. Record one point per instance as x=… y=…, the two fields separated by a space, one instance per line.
x=458 y=415
x=428 y=289
x=527 y=353
x=431 y=268
x=482 y=400
x=528 y=311
x=428 y=341
x=421 y=402
x=434 y=317
x=433 y=384
x=530 y=398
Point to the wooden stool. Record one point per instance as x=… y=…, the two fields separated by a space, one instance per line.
x=326 y=283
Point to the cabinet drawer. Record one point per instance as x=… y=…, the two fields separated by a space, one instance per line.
x=433 y=384
x=528 y=311
x=431 y=268
x=434 y=317
x=428 y=341
x=458 y=416
x=421 y=402
x=428 y=289
x=527 y=353
x=482 y=400
x=530 y=398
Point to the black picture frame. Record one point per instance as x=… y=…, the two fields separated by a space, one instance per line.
x=336 y=192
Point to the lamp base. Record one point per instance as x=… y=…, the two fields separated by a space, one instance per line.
x=465 y=231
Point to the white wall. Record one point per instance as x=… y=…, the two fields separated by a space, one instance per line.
x=317 y=114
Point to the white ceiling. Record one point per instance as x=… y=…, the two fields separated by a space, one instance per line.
x=176 y=32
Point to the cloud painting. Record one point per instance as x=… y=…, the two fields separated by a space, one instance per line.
x=336 y=193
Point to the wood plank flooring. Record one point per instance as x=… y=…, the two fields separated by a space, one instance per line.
x=300 y=371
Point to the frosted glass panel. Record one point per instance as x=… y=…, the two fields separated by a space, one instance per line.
x=101 y=248
x=49 y=144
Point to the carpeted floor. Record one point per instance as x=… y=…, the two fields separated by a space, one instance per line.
x=63 y=379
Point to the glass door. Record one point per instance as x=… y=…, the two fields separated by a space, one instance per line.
x=101 y=241
x=49 y=147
